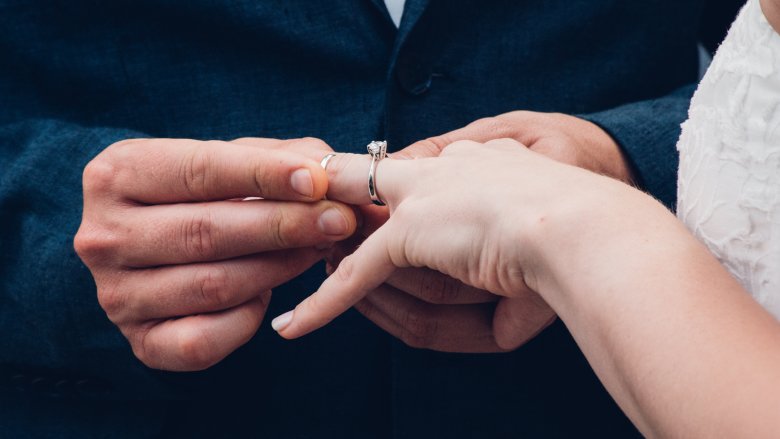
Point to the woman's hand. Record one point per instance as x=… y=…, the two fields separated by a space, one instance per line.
x=427 y=309
x=474 y=213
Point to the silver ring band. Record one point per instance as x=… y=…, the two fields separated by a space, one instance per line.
x=325 y=160
x=378 y=151
x=324 y=163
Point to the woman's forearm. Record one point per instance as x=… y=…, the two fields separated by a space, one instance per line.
x=682 y=348
x=771 y=10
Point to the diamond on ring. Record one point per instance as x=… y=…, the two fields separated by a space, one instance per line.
x=377 y=147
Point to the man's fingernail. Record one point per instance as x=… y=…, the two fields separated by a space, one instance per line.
x=302 y=183
x=282 y=321
x=332 y=222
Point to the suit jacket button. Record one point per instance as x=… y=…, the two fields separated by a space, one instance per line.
x=413 y=75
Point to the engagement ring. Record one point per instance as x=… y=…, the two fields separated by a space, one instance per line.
x=378 y=150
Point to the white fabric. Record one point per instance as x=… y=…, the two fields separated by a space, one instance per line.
x=396 y=9
x=729 y=181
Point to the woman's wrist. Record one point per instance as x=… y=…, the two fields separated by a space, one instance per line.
x=586 y=239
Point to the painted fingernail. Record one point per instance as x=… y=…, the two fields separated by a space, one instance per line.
x=282 y=321
x=302 y=183
x=332 y=222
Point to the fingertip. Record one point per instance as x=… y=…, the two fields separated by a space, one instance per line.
x=294 y=323
x=309 y=181
x=305 y=318
x=337 y=221
x=319 y=178
x=281 y=322
x=302 y=182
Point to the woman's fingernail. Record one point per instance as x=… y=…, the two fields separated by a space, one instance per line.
x=282 y=321
x=332 y=222
x=302 y=183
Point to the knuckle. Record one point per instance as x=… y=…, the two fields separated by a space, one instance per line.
x=278 y=228
x=211 y=286
x=195 y=349
x=125 y=144
x=267 y=181
x=112 y=301
x=198 y=237
x=99 y=175
x=196 y=172
x=514 y=117
x=96 y=245
x=345 y=269
x=315 y=143
x=494 y=127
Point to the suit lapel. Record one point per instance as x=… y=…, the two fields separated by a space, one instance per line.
x=380 y=5
x=413 y=10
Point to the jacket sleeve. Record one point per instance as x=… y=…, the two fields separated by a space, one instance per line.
x=49 y=315
x=648 y=131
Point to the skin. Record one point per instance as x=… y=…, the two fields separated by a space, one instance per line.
x=185 y=270
x=427 y=309
x=182 y=266
x=683 y=349
x=771 y=10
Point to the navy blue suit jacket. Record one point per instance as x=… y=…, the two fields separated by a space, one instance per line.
x=78 y=75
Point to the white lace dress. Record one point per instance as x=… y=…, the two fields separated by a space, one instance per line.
x=729 y=180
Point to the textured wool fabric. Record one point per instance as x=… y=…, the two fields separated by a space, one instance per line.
x=77 y=75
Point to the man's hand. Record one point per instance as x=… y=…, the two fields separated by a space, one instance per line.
x=427 y=309
x=182 y=265
x=561 y=137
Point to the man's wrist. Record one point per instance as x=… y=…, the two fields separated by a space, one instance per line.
x=614 y=161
